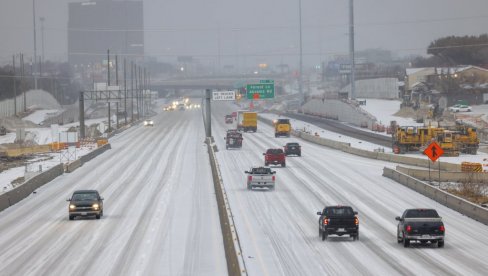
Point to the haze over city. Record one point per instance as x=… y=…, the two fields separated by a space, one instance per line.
x=249 y=32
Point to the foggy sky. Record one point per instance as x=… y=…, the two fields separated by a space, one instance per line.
x=248 y=32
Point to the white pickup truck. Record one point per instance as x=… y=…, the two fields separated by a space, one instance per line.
x=260 y=177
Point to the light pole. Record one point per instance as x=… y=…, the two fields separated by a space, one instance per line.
x=300 y=86
x=35 y=46
x=351 y=50
x=42 y=38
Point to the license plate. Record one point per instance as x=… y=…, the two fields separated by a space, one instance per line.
x=426 y=236
x=341 y=230
x=83 y=213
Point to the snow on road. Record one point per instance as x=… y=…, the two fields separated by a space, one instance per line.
x=160 y=214
x=278 y=230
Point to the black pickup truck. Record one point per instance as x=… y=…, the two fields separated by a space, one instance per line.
x=424 y=225
x=338 y=220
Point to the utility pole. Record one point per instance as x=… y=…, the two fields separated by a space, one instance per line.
x=136 y=75
x=132 y=90
x=208 y=95
x=116 y=70
x=351 y=50
x=108 y=68
x=15 y=86
x=22 y=88
x=300 y=77
x=125 y=92
x=42 y=38
x=35 y=44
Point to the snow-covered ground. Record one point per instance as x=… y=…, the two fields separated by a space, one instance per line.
x=39 y=116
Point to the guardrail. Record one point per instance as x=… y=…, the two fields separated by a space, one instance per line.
x=232 y=247
x=454 y=202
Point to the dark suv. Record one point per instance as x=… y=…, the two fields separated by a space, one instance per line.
x=85 y=203
x=338 y=220
x=293 y=149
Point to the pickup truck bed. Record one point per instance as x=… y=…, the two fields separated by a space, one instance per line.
x=262 y=177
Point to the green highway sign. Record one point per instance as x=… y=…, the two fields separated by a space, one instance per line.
x=262 y=90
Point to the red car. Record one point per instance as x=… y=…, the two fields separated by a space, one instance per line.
x=275 y=157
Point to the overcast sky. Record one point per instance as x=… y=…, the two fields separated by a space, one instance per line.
x=247 y=32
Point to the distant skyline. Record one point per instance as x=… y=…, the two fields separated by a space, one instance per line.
x=246 y=33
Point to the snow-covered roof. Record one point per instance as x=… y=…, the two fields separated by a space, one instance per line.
x=456 y=69
x=410 y=71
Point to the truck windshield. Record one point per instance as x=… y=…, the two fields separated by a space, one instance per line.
x=421 y=213
x=283 y=121
x=274 y=151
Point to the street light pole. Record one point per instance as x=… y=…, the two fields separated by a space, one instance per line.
x=351 y=50
x=42 y=38
x=35 y=44
x=300 y=78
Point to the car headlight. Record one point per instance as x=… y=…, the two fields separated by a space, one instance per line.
x=145 y=123
x=72 y=206
x=95 y=206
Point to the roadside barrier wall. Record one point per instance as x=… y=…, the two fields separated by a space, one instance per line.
x=456 y=203
x=72 y=166
x=233 y=252
x=445 y=175
x=17 y=194
x=95 y=153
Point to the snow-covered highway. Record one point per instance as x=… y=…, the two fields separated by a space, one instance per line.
x=278 y=230
x=160 y=214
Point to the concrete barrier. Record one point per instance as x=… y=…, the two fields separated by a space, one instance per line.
x=72 y=166
x=445 y=175
x=456 y=203
x=232 y=247
x=19 y=193
x=95 y=153
x=4 y=202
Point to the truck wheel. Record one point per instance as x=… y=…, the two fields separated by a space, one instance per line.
x=283 y=164
x=249 y=187
x=266 y=164
x=440 y=244
x=97 y=216
x=320 y=232
x=406 y=242
x=324 y=235
x=399 y=239
x=71 y=217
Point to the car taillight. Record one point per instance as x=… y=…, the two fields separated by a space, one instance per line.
x=326 y=221
x=249 y=178
x=273 y=178
x=409 y=228
x=442 y=228
x=356 y=220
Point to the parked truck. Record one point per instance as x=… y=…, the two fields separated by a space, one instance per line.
x=247 y=121
x=282 y=127
x=262 y=177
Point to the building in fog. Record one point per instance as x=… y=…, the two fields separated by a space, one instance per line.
x=96 y=26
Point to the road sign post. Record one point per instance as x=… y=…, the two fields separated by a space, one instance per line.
x=264 y=90
x=434 y=151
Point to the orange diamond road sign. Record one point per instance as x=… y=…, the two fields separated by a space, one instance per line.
x=434 y=151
